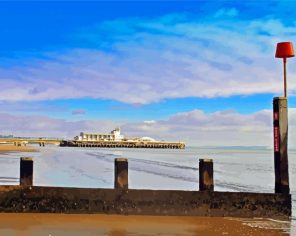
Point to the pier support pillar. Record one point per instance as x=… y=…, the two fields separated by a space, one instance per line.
x=26 y=171
x=206 y=175
x=280 y=132
x=121 y=173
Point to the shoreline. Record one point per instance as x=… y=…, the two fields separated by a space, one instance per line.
x=119 y=225
x=5 y=148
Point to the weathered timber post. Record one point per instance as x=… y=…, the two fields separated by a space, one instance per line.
x=206 y=179
x=280 y=132
x=121 y=173
x=26 y=171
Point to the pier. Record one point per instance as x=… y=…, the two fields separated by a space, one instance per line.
x=25 y=141
x=123 y=144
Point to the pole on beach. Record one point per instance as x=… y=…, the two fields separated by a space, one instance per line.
x=280 y=126
x=26 y=171
x=121 y=173
x=206 y=175
x=284 y=50
x=280 y=133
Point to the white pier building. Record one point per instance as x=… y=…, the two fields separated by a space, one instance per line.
x=113 y=136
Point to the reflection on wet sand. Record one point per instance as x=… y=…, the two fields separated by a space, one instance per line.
x=117 y=225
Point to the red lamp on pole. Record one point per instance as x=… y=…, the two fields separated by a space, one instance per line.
x=284 y=50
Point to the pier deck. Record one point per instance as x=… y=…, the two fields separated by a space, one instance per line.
x=123 y=144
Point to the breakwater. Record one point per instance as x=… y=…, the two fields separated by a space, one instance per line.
x=123 y=144
x=143 y=202
x=121 y=200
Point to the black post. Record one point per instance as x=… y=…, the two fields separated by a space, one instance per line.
x=121 y=173
x=280 y=132
x=26 y=171
x=206 y=173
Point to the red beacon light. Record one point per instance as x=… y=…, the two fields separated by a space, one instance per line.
x=284 y=50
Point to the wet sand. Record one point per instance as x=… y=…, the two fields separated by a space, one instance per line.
x=116 y=225
x=11 y=148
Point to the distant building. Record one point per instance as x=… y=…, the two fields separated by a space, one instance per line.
x=113 y=136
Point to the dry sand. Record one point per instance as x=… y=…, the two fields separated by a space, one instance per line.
x=11 y=148
x=115 y=225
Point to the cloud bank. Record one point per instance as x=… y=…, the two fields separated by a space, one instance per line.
x=145 y=60
x=195 y=127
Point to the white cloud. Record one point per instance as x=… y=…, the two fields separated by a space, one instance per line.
x=218 y=128
x=43 y=126
x=225 y=12
x=149 y=121
x=145 y=60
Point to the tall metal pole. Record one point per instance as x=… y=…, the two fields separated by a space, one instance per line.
x=285 y=77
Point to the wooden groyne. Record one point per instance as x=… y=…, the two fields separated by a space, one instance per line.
x=122 y=200
x=122 y=144
x=143 y=202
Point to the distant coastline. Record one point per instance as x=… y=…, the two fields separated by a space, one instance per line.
x=4 y=148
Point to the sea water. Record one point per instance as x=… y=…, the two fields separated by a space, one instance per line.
x=235 y=169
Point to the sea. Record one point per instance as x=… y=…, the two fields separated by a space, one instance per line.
x=248 y=169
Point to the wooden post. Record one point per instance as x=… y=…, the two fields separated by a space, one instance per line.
x=26 y=171
x=206 y=179
x=285 y=77
x=280 y=132
x=121 y=173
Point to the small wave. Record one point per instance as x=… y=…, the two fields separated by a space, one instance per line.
x=163 y=174
x=283 y=226
x=9 y=180
x=83 y=173
x=4 y=177
x=106 y=157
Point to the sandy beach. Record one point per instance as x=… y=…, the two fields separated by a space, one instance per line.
x=116 y=225
x=11 y=148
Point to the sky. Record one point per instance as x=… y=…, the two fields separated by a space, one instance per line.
x=202 y=72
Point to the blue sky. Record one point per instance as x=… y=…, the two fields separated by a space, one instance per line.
x=144 y=66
